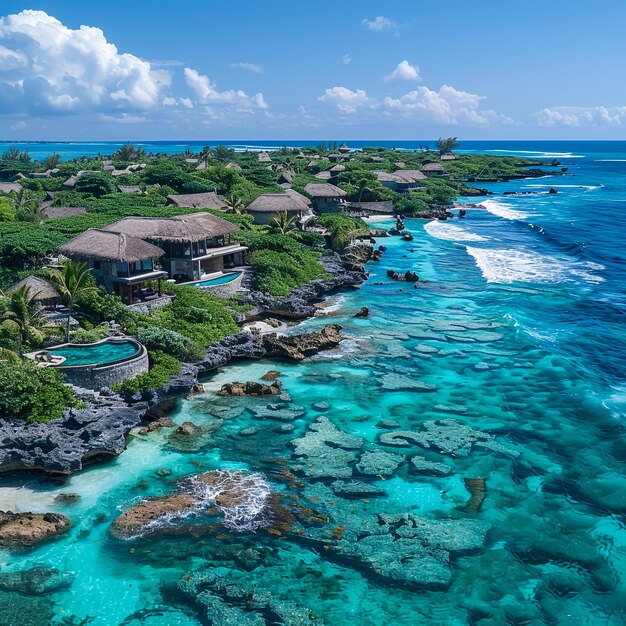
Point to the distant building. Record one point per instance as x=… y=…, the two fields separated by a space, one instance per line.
x=434 y=170
x=267 y=206
x=206 y=200
x=396 y=182
x=326 y=197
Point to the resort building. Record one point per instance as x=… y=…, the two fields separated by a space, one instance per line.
x=448 y=157
x=434 y=170
x=264 y=157
x=416 y=175
x=39 y=290
x=267 y=206
x=233 y=166
x=396 y=182
x=121 y=263
x=326 y=197
x=193 y=245
x=207 y=200
x=343 y=149
x=285 y=178
x=129 y=189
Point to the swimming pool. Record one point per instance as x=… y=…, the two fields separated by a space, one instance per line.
x=220 y=280
x=95 y=353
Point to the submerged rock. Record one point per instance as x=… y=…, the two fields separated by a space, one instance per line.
x=21 y=530
x=446 y=436
x=270 y=375
x=279 y=412
x=362 y=312
x=326 y=450
x=67 y=498
x=19 y=610
x=424 y=466
x=355 y=489
x=321 y=406
x=387 y=424
x=189 y=437
x=478 y=490
x=36 y=581
x=379 y=463
x=398 y=382
x=298 y=347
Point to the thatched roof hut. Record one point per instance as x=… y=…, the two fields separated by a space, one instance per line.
x=433 y=167
x=233 y=166
x=276 y=203
x=298 y=196
x=343 y=148
x=448 y=157
x=413 y=174
x=181 y=228
x=324 y=175
x=206 y=200
x=39 y=289
x=96 y=244
x=201 y=166
x=129 y=188
x=285 y=178
x=264 y=157
x=337 y=169
x=324 y=190
x=64 y=211
x=10 y=187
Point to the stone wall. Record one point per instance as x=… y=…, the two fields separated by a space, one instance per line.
x=149 y=305
x=107 y=374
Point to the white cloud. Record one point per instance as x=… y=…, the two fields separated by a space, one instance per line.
x=207 y=93
x=48 y=68
x=346 y=59
x=250 y=67
x=169 y=102
x=446 y=106
x=581 y=116
x=124 y=118
x=172 y=102
x=186 y=102
x=346 y=100
x=404 y=71
x=379 y=23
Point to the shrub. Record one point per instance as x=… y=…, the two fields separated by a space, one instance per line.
x=165 y=340
x=82 y=335
x=162 y=367
x=95 y=183
x=35 y=394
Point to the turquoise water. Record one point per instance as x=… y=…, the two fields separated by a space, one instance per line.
x=95 y=353
x=518 y=333
x=220 y=280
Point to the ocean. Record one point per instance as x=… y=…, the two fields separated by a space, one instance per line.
x=507 y=366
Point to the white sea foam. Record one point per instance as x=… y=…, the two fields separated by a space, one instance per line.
x=510 y=266
x=451 y=232
x=504 y=210
x=586 y=187
x=545 y=155
x=612 y=160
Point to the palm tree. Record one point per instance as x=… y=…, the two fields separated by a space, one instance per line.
x=71 y=281
x=282 y=224
x=235 y=203
x=23 y=316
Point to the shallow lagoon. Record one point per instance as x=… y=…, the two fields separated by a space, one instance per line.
x=530 y=361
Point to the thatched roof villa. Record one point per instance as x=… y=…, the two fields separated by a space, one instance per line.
x=448 y=157
x=264 y=157
x=396 y=182
x=39 y=290
x=268 y=205
x=63 y=211
x=326 y=197
x=285 y=178
x=414 y=174
x=206 y=200
x=343 y=149
x=120 y=262
x=129 y=189
x=194 y=245
x=10 y=187
x=233 y=166
x=433 y=169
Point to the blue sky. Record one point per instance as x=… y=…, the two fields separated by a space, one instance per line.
x=195 y=69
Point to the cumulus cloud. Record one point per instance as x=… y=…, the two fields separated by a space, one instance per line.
x=346 y=100
x=404 y=71
x=346 y=59
x=48 y=68
x=207 y=93
x=379 y=23
x=446 y=106
x=581 y=116
x=250 y=67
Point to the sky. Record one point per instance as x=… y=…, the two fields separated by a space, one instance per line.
x=277 y=69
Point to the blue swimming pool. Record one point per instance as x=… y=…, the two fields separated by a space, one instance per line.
x=220 y=280
x=95 y=353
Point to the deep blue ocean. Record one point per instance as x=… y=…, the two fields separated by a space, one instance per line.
x=518 y=333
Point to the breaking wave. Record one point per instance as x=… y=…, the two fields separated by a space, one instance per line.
x=451 y=232
x=501 y=209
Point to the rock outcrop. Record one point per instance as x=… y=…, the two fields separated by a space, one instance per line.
x=24 y=530
x=36 y=581
x=251 y=388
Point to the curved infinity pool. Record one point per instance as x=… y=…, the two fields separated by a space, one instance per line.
x=220 y=280
x=95 y=353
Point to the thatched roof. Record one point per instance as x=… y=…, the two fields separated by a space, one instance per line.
x=276 y=203
x=191 y=161
x=38 y=289
x=285 y=177
x=382 y=206
x=192 y=227
x=264 y=157
x=323 y=175
x=10 y=187
x=206 y=200
x=70 y=182
x=298 y=196
x=414 y=174
x=201 y=166
x=233 y=166
x=433 y=167
x=400 y=164
x=324 y=190
x=129 y=188
x=343 y=148
x=64 y=211
x=448 y=157
x=103 y=245
x=335 y=169
x=386 y=177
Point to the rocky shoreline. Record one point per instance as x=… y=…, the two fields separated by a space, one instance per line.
x=98 y=431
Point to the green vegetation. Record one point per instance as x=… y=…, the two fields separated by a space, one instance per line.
x=446 y=145
x=342 y=229
x=35 y=394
